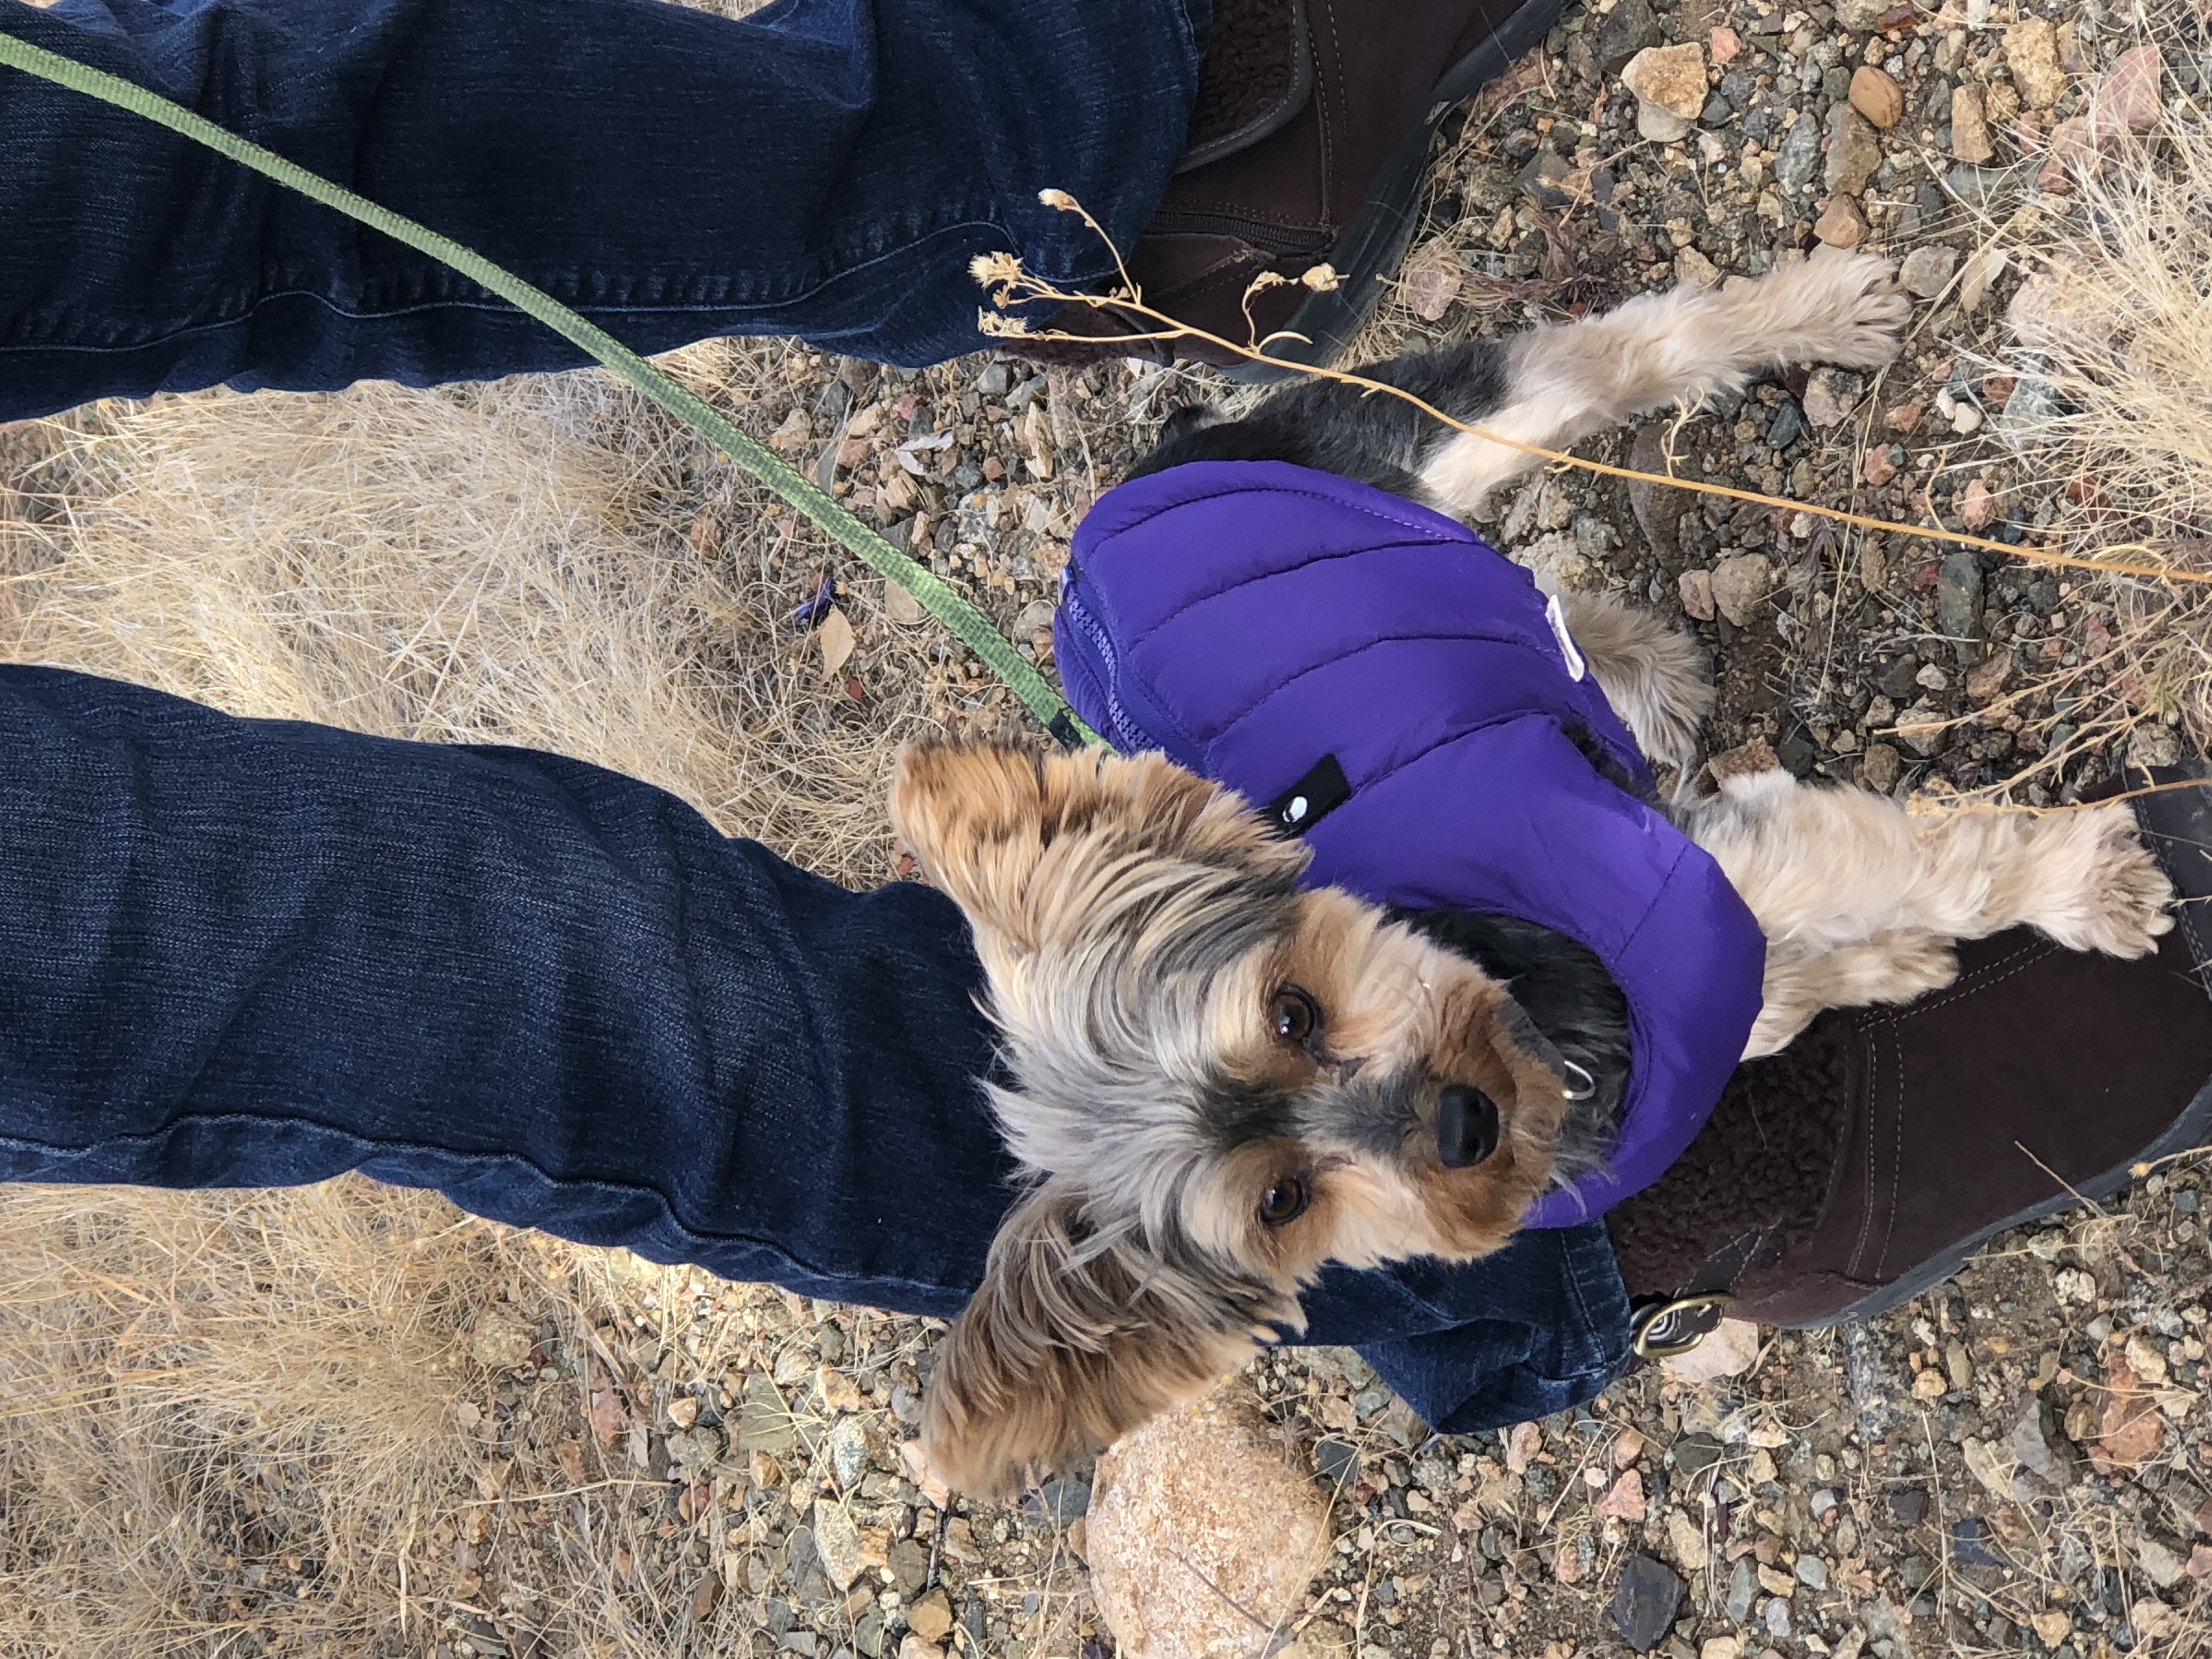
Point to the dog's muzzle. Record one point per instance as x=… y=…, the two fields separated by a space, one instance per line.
x=1466 y=1127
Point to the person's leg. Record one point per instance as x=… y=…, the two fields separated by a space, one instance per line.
x=1542 y=1326
x=826 y=167
x=252 y=952
x=255 y=952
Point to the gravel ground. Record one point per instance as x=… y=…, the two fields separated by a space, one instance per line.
x=2012 y=1464
x=2015 y=1463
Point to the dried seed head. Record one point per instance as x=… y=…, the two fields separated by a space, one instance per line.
x=991 y=269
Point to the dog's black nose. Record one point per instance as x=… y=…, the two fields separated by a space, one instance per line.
x=1466 y=1127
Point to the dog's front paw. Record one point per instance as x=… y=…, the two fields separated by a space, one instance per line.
x=2133 y=903
x=2125 y=901
x=1841 y=308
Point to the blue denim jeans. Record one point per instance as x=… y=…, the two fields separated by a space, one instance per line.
x=825 y=167
x=250 y=953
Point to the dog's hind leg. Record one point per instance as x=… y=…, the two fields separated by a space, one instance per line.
x=1561 y=384
x=1891 y=967
x=2083 y=876
x=1656 y=676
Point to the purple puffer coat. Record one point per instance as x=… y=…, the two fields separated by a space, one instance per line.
x=1274 y=627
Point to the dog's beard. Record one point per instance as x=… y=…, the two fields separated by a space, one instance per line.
x=1569 y=997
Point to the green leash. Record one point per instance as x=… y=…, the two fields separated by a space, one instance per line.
x=973 y=627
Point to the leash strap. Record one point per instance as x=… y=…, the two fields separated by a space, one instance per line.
x=973 y=627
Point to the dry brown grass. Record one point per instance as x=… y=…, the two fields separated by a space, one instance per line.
x=541 y=561
x=226 y=1412
x=2113 y=346
x=350 y=1420
x=237 y=1424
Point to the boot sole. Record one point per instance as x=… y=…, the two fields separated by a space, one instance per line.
x=2183 y=818
x=1374 y=242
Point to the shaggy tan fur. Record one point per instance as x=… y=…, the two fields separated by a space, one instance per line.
x=1146 y=943
x=1656 y=677
x=1570 y=381
x=1860 y=899
x=1861 y=902
x=1140 y=928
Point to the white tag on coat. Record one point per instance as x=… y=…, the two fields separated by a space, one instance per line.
x=1575 y=667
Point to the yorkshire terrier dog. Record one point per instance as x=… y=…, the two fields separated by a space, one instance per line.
x=1223 y=1076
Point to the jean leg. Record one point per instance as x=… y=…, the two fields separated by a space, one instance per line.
x=250 y=952
x=1538 y=1328
x=825 y=167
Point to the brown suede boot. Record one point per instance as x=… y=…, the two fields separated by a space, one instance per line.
x=1866 y=1162
x=1307 y=146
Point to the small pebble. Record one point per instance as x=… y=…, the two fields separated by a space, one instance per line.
x=1878 y=97
x=1926 y=272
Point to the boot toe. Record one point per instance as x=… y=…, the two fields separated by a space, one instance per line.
x=2040 y=1078
x=1309 y=147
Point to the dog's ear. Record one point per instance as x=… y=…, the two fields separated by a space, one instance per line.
x=1074 y=1338
x=1025 y=842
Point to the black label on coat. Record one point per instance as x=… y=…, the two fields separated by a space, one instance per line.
x=1311 y=799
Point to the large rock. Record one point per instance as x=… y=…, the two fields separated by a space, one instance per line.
x=1627 y=29
x=1854 y=151
x=1959 y=595
x=1842 y=223
x=1732 y=1348
x=1926 y=272
x=1798 y=158
x=2031 y=51
x=1876 y=95
x=1201 y=1537
x=1830 y=394
x=1697 y=587
x=1970 y=126
x=1645 y=1602
x=503 y=1338
x=2126 y=99
x=837 y=1542
x=1740 y=585
x=1673 y=77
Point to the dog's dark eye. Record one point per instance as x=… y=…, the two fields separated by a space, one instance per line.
x=1286 y=1201
x=1294 y=1017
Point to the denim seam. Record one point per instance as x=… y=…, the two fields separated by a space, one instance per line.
x=372 y=1147
x=493 y=304
x=1604 y=1356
